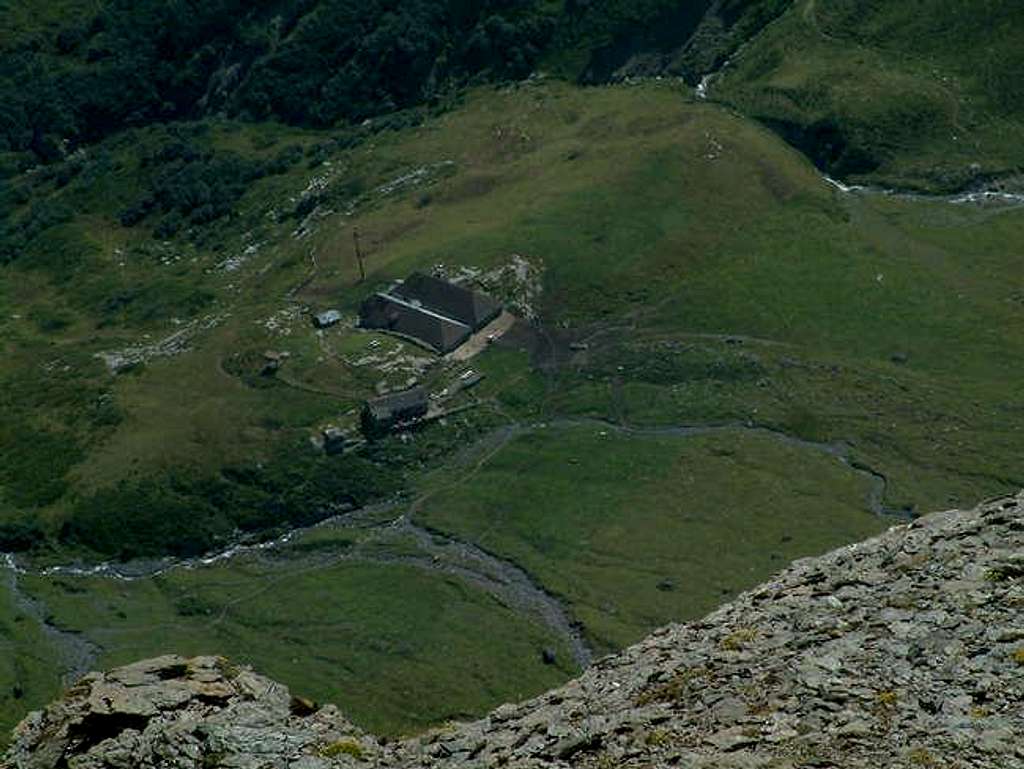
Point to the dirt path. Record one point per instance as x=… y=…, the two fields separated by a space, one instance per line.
x=503 y=579
x=476 y=344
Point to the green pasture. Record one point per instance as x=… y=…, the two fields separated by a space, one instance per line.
x=697 y=271
x=396 y=646
x=29 y=668
x=924 y=95
x=633 y=532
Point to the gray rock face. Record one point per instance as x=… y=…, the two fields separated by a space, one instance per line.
x=183 y=714
x=906 y=651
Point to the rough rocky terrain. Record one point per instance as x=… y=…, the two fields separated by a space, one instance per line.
x=903 y=652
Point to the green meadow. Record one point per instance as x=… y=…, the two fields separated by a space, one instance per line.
x=397 y=647
x=923 y=95
x=633 y=532
x=696 y=271
x=28 y=662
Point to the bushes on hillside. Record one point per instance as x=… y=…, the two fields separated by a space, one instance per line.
x=16 y=235
x=191 y=186
x=348 y=61
x=307 y=62
x=145 y=519
x=158 y=299
x=186 y=513
x=311 y=62
x=19 y=532
x=35 y=463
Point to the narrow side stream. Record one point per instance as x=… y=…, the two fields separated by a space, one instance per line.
x=76 y=653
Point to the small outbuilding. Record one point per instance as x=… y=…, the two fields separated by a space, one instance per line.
x=326 y=319
x=470 y=379
x=272 y=362
x=338 y=441
x=381 y=415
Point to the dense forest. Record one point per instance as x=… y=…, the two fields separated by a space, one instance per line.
x=123 y=63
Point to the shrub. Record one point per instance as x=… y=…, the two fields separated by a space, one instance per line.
x=158 y=299
x=186 y=511
x=345 y=747
x=142 y=519
x=50 y=320
x=35 y=464
x=20 y=532
x=739 y=638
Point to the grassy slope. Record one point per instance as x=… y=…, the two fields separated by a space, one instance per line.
x=516 y=190
x=664 y=227
x=686 y=222
x=28 y=664
x=634 y=532
x=929 y=91
x=360 y=634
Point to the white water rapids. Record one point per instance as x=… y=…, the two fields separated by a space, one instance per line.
x=979 y=197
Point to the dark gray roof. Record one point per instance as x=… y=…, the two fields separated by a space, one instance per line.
x=395 y=314
x=470 y=307
x=388 y=406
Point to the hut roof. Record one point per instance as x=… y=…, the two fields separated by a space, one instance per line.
x=396 y=314
x=388 y=406
x=328 y=318
x=462 y=304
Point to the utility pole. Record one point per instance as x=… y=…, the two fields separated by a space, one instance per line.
x=359 y=254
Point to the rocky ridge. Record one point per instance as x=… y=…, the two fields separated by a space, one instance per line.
x=905 y=651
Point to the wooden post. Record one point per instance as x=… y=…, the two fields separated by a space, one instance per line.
x=359 y=254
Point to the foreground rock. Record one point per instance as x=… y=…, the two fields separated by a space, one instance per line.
x=177 y=712
x=905 y=651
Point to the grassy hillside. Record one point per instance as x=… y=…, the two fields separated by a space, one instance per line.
x=914 y=94
x=694 y=270
x=29 y=674
x=666 y=227
x=359 y=633
x=722 y=364
x=634 y=531
x=620 y=194
x=630 y=532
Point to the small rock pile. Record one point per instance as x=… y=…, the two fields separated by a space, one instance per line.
x=903 y=652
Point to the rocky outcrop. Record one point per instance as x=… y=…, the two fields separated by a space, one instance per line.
x=906 y=651
x=173 y=712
